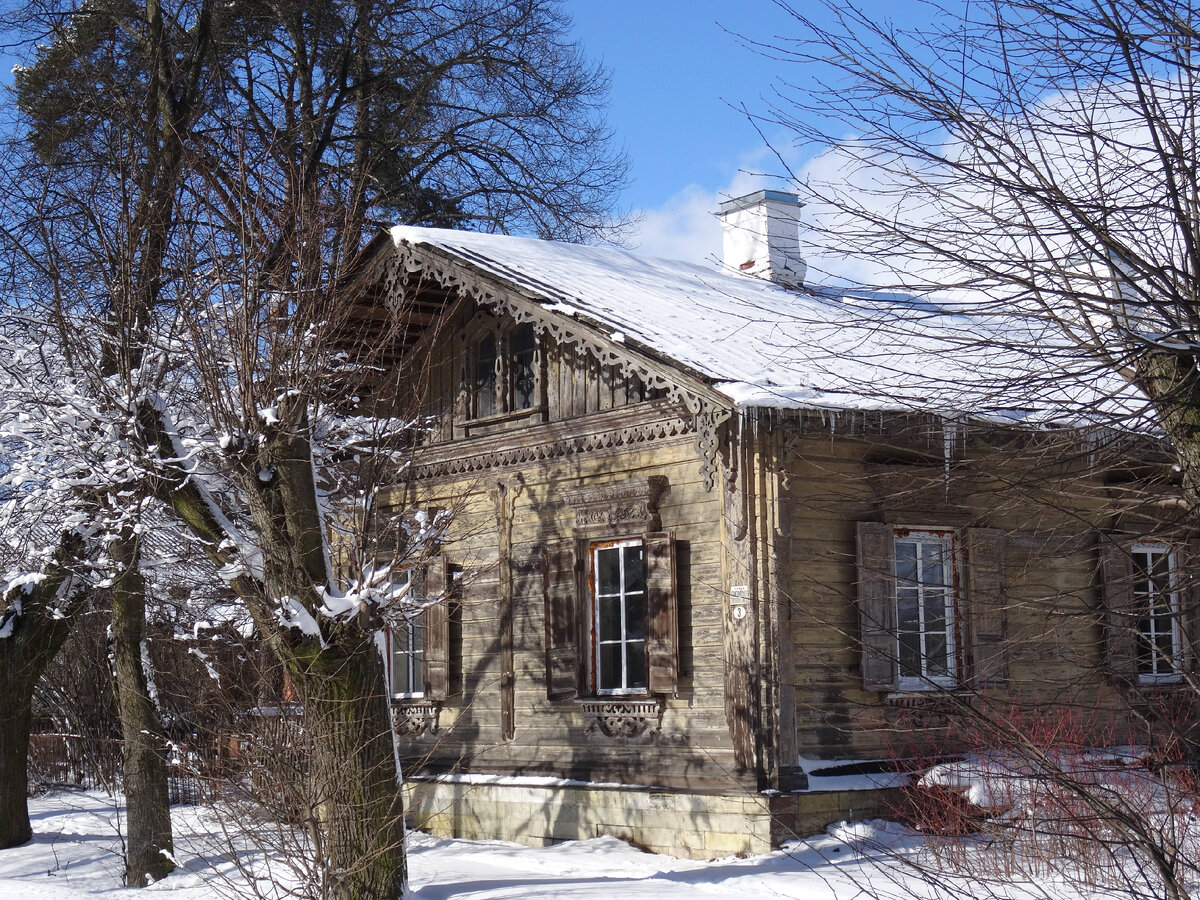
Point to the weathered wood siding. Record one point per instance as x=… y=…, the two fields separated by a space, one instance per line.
x=1048 y=503
x=507 y=486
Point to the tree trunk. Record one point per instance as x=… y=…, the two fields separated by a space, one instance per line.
x=1172 y=382
x=359 y=806
x=16 y=716
x=355 y=790
x=149 y=851
x=37 y=618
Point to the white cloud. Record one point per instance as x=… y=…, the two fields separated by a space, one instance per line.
x=686 y=225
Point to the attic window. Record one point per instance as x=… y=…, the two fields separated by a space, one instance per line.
x=485 y=376
x=505 y=368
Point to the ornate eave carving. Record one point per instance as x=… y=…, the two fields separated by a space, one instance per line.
x=709 y=412
x=633 y=502
x=643 y=424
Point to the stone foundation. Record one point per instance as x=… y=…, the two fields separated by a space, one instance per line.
x=694 y=826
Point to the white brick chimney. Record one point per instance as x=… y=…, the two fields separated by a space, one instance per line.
x=761 y=237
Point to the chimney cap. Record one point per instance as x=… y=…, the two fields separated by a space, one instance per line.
x=757 y=197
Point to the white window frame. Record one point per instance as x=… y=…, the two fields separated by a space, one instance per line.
x=625 y=689
x=1144 y=602
x=402 y=640
x=402 y=646
x=947 y=539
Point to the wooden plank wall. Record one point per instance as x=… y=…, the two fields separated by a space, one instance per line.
x=549 y=737
x=694 y=750
x=1051 y=514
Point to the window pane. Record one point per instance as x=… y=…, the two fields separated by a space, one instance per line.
x=635 y=616
x=1161 y=570
x=608 y=571
x=610 y=618
x=908 y=616
x=636 y=663
x=935 y=654
x=609 y=676
x=485 y=377
x=932 y=571
x=634 y=576
x=910 y=653
x=935 y=611
x=906 y=562
x=523 y=377
x=523 y=340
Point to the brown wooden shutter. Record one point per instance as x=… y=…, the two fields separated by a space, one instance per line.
x=561 y=598
x=662 y=619
x=436 y=621
x=1120 y=617
x=1188 y=581
x=877 y=605
x=984 y=608
x=1187 y=585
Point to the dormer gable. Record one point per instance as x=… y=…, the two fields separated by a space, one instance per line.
x=491 y=355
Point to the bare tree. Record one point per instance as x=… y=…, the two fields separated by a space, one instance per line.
x=1036 y=157
x=1029 y=167
x=196 y=242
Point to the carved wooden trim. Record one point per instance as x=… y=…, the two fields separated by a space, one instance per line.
x=497 y=451
x=632 y=503
x=708 y=409
x=924 y=710
x=413 y=719
x=620 y=720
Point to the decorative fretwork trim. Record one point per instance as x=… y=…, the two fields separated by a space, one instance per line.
x=504 y=454
x=413 y=719
x=708 y=409
x=622 y=720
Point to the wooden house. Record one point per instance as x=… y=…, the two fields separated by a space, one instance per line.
x=719 y=540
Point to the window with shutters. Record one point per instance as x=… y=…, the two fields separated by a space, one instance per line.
x=611 y=617
x=923 y=624
x=1157 y=603
x=417 y=658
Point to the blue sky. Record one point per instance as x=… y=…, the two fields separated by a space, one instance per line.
x=677 y=69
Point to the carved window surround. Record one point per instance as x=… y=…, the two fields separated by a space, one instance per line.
x=490 y=424
x=630 y=505
x=622 y=720
x=415 y=718
x=709 y=411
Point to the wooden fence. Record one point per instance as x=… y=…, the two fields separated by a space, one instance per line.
x=95 y=764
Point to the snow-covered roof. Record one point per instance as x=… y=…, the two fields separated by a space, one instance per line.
x=763 y=345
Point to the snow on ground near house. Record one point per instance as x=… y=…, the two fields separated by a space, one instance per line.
x=764 y=345
x=75 y=854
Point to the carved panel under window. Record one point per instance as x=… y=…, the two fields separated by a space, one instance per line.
x=415 y=719
x=622 y=720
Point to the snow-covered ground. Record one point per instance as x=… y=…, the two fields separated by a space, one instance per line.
x=75 y=853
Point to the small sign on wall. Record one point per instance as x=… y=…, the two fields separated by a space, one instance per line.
x=739 y=599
